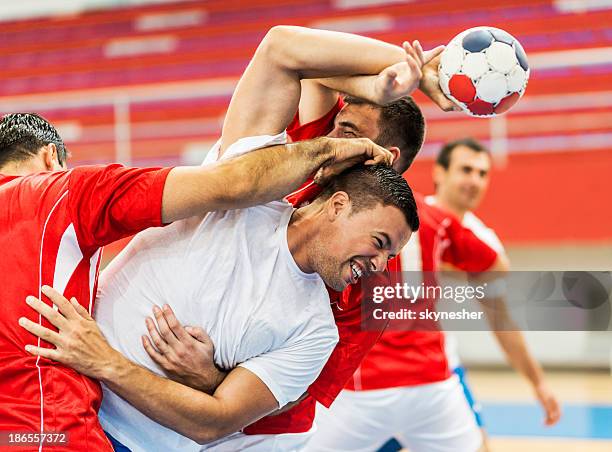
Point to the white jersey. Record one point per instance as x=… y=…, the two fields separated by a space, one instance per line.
x=231 y=273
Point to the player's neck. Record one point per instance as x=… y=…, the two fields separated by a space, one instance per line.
x=450 y=207
x=21 y=168
x=300 y=233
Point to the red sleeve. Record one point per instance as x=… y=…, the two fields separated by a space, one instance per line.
x=107 y=203
x=317 y=128
x=466 y=251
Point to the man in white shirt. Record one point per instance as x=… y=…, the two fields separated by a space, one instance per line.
x=252 y=277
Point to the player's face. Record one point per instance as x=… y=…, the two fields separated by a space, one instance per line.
x=356 y=244
x=465 y=182
x=356 y=121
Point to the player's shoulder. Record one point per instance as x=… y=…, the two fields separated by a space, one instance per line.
x=35 y=197
x=478 y=227
x=40 y=186
x=270 y=213
x=432 y=216
x=472 y=221
x=298 y=131
x=88 y=170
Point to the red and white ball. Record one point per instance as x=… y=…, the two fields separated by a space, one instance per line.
x=484 y=70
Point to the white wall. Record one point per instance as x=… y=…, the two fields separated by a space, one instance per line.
x=564 y=349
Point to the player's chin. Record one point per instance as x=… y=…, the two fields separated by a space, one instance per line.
x=338 y=283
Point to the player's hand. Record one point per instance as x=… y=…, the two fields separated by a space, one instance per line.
x=186 y=354
x=347 y=152
x=549 y=403
x=79 y=343
x=430 y=82
x=401 y=79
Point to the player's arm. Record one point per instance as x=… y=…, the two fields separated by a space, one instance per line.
x=268 y=93
x=512 y=342
x=393 y=82
x=239 y=400
x=186 y=354
x=500 y=265
x=257 y=177
x=106 y=203
x=468 y=253
x=242 y=398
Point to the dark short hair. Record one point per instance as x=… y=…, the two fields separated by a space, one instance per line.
x=401 y=124
x=444 y=156
x=23 y=134
x=368 y=186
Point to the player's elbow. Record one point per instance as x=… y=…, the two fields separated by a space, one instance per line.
x=212 y=422
x=278 y=47
x=210 y=433
x=205 y=436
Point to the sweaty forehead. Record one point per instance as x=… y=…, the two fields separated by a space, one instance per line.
x=363 y=116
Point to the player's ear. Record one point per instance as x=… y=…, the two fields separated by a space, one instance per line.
x=396 y=153
x=337 y=204
x=50 y=157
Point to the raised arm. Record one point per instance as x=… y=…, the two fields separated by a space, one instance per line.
x=261 y=176
x=393 y=82
x=268 y=93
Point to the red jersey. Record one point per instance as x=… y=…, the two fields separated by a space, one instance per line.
x=409 y=358
x=52 y=228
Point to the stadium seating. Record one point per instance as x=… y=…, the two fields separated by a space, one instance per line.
x=81 y=71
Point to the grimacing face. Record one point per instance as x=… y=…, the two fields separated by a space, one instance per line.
x=354 y=244
x=466 y=180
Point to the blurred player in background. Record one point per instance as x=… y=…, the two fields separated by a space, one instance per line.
x=461 y=177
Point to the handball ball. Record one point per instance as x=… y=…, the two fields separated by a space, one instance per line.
x=484 y=70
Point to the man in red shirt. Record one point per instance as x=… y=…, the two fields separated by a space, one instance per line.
x=53 y=225
x=440 y=237
x=322 y=112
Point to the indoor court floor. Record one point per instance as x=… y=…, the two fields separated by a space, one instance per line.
x=514 y=421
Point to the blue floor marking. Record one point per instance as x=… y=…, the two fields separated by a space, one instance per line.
x=587 y=421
